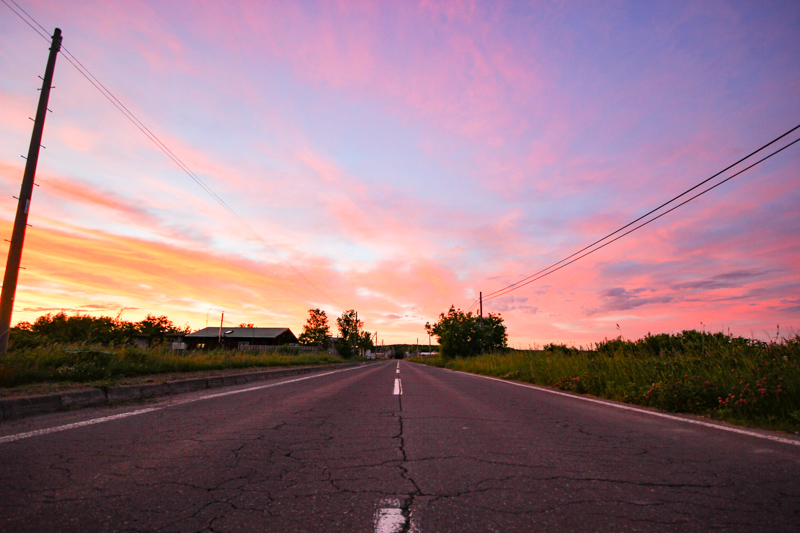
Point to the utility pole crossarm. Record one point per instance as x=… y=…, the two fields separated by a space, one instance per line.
x=23 y=206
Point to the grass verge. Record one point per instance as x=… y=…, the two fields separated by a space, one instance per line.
x=751 y=384
x=101 y=366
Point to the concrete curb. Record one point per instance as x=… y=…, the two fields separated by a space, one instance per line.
x=15 y=408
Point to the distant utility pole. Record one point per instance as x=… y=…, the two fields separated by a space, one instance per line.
x=480 y=297
x=24 y=203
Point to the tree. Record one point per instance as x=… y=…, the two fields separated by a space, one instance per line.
x=365 y=340
x=316 y=331
x=156 y=327
x=461 y=334
x=60 y=328
x=349 y=327
x=495 y=335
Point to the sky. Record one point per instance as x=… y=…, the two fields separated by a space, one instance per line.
x=398 y=158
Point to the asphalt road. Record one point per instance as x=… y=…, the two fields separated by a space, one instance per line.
x=389 y=448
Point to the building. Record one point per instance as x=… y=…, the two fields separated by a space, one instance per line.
x=239 y=338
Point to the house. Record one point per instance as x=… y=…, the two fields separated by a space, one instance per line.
x=239 y=338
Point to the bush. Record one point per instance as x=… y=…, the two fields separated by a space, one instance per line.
x=462 y=334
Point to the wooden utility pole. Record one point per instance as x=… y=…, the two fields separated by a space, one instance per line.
x=480 y=297
x=24 y=203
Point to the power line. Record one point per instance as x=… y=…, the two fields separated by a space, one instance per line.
x=684 y=193
x=549 y=270
x=86 y=73
x=43 y=35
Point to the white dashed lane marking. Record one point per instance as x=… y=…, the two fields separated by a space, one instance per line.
x=390 y=519
x=398 y=387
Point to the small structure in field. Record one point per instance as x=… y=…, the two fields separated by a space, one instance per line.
x=239 y=338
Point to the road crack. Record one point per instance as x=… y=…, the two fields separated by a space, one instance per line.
x=406 y=505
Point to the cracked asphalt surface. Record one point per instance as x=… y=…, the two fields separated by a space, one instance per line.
x=454 y=452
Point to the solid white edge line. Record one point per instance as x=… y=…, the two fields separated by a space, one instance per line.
x=636 y=409
x=45 y=431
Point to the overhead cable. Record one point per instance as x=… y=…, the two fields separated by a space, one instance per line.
x=84 y=71
x=566 y=261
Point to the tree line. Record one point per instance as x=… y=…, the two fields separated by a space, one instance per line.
x=61 y=328
x=458 y=334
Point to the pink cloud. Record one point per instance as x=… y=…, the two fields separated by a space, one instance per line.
x=539 y=143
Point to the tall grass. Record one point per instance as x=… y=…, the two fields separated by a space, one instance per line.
x=733 y=379
x=82 y=364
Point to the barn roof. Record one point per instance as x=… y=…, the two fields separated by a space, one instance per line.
x=239 y=333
